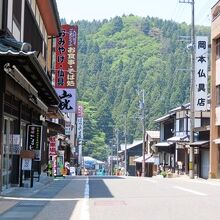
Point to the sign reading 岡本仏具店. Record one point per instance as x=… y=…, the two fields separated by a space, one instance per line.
x=201 y=73
x=34 y=140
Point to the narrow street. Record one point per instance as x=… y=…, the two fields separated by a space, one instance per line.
x=128 y=198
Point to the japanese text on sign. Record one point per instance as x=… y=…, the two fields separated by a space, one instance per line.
x=66 y=57
x=201 y=73
x=68 y=100
x=34 y=140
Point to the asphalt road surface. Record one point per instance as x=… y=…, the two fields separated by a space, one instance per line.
x=120 y=198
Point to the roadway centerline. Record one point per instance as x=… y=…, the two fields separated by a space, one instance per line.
x=189 y=190
x=85 y=203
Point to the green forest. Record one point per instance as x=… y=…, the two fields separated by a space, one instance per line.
x=119 y=60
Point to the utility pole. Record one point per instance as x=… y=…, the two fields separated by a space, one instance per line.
x=143 y=126
x=125 y=146
x=117 y=146
x=192 y=117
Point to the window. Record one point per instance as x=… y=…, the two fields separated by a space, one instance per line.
x=205 y=121
x=218 y=48
x=32 y=33
x=218 y=95
x=181 y=124
x=17 y=12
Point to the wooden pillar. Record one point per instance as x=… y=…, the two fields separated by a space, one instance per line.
x=214 y=150
x=2 y=92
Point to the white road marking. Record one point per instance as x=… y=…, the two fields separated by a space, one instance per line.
x=204 y=182
x=81 y=211
x=85 y=203
x=191 y=191
x=40 y=199
x=149 y=180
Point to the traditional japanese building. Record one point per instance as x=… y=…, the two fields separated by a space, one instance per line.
x=27 y=97
x=215 y=94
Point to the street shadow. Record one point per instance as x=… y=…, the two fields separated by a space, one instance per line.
x=98 y=188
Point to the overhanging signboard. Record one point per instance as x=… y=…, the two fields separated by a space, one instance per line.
x=66 y=67
x=68 y=100
x=34 y=140
x=66 y=57
x=80 y=128
x=52 y=146
x=80 y=113
x=201 y=73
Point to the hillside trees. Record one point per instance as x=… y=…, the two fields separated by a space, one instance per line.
x=119 y=55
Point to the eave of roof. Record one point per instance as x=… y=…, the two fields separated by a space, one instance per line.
x=153 y=134
x=55 y=127
x=30 y=67
x=49 y=13
x=165 y=117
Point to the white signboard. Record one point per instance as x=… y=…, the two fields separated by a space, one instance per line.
x=72 y=171
x=67 y=127
x=201 y=73
x=26 y=163
x=79 y=128
x=68 y=100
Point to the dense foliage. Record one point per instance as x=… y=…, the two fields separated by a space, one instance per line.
x=124 y=55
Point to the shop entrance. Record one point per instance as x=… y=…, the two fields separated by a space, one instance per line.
x=7 y=154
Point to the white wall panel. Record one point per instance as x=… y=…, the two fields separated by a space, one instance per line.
x=217 y=112
x=218 y=72
x=9 y=20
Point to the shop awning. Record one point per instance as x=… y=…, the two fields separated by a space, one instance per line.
x=54 y=128
x=199 y=143
x=54 y=112
x=148 y=159
x=179 y=139
x=165 y=147
x=163 y=144
x=18 y=57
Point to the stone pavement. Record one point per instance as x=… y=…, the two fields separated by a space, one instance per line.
x=26 y=191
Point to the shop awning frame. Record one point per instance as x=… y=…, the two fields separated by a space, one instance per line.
x=200 y=143
x=28 y=64
x=179 y=139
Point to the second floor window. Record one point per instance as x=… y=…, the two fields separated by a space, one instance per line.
x=181 y=124
x=218 y=48
x=218 y=95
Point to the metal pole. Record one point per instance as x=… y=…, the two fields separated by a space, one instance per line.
x=143 y=145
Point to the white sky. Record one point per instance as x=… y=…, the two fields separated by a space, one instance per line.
x=166 y=9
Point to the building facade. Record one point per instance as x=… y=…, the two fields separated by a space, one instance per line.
x=175 y=135
x=26 y=92
x=215 y=94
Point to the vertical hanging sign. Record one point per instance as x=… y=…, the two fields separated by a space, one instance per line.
x=52 y=146
x=66 y=67
x=80 y=113
x=201 y=73
x=34 y=140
